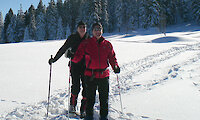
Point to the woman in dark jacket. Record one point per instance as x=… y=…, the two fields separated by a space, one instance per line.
x=77 y=70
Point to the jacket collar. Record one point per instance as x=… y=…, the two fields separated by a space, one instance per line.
x=101 y=39
x=84 y=37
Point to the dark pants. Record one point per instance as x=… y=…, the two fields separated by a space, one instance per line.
x=77 y=73
x=102 y=85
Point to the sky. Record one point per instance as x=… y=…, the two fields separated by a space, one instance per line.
x=5 y=5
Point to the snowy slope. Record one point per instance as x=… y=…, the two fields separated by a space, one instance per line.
x=159 y=77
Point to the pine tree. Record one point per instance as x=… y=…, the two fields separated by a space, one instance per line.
x=150 y=13
x=60 y=8
x=170 y=11
x=11 y=30
x=51 y=20
x=184 y=10
x=196 y=10
x=82 y=11
x=20 y=26
x=162 y=9
x=40 y=21
x=31 y=23
x=66 y=13
x=104 y=15
x=132 y=15
x=73 y=9
x=67 y=31
x=91 y=13
x=26 y=34
x=119 y=14
x=7 y=21
x=112 y=16
x=60 y=29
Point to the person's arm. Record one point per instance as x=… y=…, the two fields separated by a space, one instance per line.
x=61 y=51
x=113 y=60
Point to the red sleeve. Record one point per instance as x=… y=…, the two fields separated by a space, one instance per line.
x=112 y=57
x=79 y=53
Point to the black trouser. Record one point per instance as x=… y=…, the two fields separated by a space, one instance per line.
x=77 y=73
x=102 y=85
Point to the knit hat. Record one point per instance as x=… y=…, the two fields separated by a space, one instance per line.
x=96 y=24
x=81 y=23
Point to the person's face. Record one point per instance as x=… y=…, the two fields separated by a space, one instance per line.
x=97 y=31
x=81 y=29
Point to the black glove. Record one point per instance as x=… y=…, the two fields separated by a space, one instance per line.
x=116 y=69
x=51 y=60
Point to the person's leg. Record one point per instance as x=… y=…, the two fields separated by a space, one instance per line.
x=84 y=98
x=91 y=87
x=75 y=87
x=103 y=88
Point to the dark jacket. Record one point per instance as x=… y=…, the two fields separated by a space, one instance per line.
x=72 y=42
x=98 y=55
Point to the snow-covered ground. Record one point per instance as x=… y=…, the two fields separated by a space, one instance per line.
x=159 y=77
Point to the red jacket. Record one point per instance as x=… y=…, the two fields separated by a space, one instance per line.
x=98 y=55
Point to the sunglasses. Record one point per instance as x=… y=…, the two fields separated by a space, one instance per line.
x=97 y=29
x=82 y=27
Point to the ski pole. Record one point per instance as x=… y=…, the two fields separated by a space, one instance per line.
x=69 y=90
x=49 y=87
x=120 y=93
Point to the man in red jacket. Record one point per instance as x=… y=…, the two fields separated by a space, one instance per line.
x=98 y=54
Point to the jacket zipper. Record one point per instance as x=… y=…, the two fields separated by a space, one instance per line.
x=98 y=44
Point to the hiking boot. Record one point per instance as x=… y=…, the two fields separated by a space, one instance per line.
x=72 y=109
x=83 y=105
x=103 y=118
x=88 y=117
x=82 y=115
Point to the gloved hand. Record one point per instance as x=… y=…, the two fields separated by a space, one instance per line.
x=117 y=69
x=51 y=60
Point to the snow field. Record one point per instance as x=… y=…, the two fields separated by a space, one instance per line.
x=159 y=78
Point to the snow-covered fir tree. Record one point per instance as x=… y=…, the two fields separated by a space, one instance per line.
x=104 y=15
x=112 y=16
x=26 y=34
x=196 y=10
x=51 y=20
x=20 y=26
x=73 y=8
x=60 y=8
x=60 y=29
x=131 y=15
x=119 y=13
x=184 y=10
x=67 y=31
x=40 y=21
x=11 y=30
x=83 y=11
x=65 y=15
x=170 y=11
x=31 y=22
x=91 y=13
x=7 y=21
x=150 y=13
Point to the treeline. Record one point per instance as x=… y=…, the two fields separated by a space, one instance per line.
x=59 y=19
